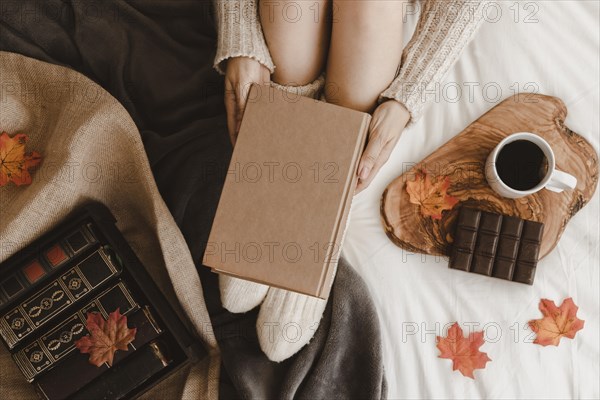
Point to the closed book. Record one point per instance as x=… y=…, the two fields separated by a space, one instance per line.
x=285 y=203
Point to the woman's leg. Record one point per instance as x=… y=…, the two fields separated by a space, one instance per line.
x=297 y=34
x=365 y=51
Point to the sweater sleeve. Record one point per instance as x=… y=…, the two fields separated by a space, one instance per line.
x=239 y=33
x=444 y=29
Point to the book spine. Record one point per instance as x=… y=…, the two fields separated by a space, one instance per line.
x=339 y=232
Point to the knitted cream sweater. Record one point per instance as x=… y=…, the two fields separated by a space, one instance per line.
x=444 y=29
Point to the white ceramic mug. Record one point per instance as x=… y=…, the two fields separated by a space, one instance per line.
x=554 y=180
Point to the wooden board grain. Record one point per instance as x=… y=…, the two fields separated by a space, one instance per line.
x=463 y=159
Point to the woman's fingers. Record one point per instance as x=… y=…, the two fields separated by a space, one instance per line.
x=378 y=138
x=370 y=155
x=384 y=155
x=241 y=73
x=236 y=94
x=374 y=155
x=231 y=109
x=242 y=90
x=389 y=119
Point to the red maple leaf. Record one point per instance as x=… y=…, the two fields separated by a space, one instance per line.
x=14 y=162
x=558 y=322
x=106 y=337
x=431 y=194
x=464 y=352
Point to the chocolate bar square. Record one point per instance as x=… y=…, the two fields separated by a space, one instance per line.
x=501 y=246
x=461 y=259
x=467 y=238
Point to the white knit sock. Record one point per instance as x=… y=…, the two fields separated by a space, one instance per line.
x=286 y=322
x=240 y=295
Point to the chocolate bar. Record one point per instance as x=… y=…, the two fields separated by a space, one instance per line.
x=501 y=246
x=128 y=375
x=43 y=305
x=44 y=353
x=78 y=367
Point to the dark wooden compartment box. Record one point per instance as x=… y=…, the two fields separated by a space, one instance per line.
x=83 y=265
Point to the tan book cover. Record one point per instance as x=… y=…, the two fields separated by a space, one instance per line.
x=284 y=207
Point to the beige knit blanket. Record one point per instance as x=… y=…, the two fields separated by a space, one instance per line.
x=92 y=150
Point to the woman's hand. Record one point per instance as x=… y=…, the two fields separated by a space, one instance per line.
x=241 y=72
x=387 y=124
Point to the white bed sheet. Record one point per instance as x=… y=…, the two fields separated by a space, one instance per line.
x=417 y=295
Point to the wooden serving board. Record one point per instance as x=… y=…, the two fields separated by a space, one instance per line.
x=462 y=159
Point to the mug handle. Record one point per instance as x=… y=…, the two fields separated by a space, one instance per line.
x=561 y=181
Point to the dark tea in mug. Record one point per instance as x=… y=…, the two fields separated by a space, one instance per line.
x=521 y=165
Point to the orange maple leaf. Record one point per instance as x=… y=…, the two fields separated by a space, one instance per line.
x=430 y=194
x=558 y=322
x=464 y=352
x=106 y=337
x=14 y=162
